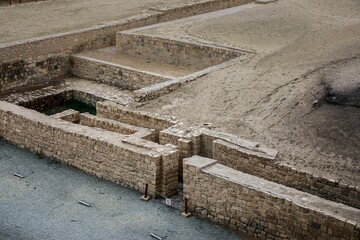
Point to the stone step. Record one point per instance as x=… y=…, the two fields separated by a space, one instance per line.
x=114 y=74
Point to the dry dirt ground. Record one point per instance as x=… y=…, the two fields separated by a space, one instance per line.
x=36 y=19
x=297 y=46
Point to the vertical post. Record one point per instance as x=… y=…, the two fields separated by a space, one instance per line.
x=146 y=190
x=146 y=196
x=10 y=2
x=186 y=210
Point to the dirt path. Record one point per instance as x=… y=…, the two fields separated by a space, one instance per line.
x=270 y=99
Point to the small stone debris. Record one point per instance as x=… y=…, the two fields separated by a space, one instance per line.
x=315 y=103
x=264 y=1
x=84 y=203
x=18 y=175
x=156 y=236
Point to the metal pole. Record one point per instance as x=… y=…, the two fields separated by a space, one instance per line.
x=146 y=190
x=146 y=196
x=155 y=236
x=186 y=210
x=186 y=206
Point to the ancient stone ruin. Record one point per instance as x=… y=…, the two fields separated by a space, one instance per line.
x=76 y=94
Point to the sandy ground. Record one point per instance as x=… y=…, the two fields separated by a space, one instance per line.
x=54 y=16
x=44 y=205
x=300 y=47
x=297 y=44
x=163 y=69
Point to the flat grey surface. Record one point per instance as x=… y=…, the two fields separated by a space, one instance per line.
x=44 y=205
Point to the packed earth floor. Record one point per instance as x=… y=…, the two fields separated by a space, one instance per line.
x=44 y=205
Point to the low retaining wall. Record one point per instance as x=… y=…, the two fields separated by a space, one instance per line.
x=112 y=74
x=50 y=100
x=35 y=51
x=251 y=157
x=107 y=155
x=261 y=165
x=116 y=112
x=20 y=73
x=178 y=53
x=69 y=115
x=263 y=209
x=119 y=127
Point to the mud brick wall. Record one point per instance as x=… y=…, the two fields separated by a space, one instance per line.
x=259 y=165
x=112 y=74
x=173 y=52
x=263 y=209
x=20 y=73
x=137 y=118
x=94 y=151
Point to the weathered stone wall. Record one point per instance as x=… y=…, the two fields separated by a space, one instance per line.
x=137 y=118
x=201 y=6
x=20 y=73
x=50 y=100
x=102 y=153
x=119 y=127
x=178 y=53
x=18 y=58
x=250 y=157
x=258 y=164
x=112 y=74
x=263 y=209
x=69 y=115
x=186 y=147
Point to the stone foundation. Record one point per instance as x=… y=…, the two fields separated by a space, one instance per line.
x=265 y=166
x=130 y=162
x=70 y=115
x=37 y=60
x=112 y=74
x=171 y=51
x=263 y=209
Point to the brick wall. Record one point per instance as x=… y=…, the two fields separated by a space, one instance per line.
x=21 y=55
x=112 y=74
x=137 y=118
x=263 y=209
x=104 y=154
x=258 y=164
x=69 y=115
x=119 y=127
x=20 y=73
x=250 y=157
x=189 y=55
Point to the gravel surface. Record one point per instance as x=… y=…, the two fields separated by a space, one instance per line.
x=44 y=205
